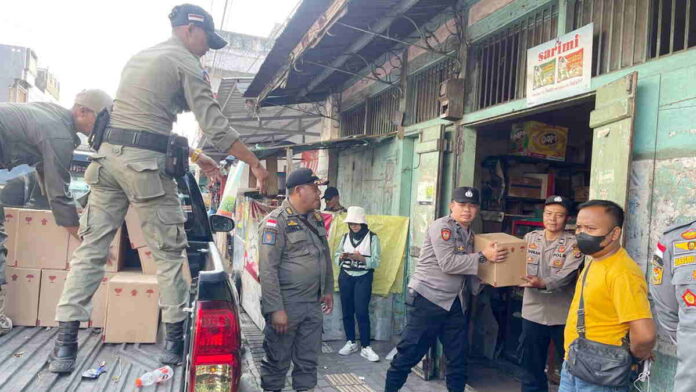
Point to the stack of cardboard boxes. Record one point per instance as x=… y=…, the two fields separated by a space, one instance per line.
x=39 y=252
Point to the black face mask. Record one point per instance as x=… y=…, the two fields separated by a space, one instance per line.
x=591 y=244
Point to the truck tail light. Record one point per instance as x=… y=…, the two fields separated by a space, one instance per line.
x=215 y=362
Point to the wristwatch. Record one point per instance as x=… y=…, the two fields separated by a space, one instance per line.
x=482 y=259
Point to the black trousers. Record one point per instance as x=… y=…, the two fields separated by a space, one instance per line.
x=356 y=292
x=426 y=323
x=535 y=341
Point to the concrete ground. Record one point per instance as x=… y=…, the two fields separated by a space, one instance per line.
x=355 y=374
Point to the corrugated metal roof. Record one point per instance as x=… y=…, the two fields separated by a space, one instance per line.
x=287 y=77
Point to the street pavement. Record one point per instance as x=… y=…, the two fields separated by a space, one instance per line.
x=353 y=373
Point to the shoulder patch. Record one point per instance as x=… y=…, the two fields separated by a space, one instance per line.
x=576 y=252
x=271 y=222
x=446 y=234
x=656 y=273
x=689 y=234
x=269 y=237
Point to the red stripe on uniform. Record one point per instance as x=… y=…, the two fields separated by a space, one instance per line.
x=661 y=247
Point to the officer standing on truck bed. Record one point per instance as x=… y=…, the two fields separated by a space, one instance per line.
x=44 y=135
x=129 y=169
x=296 y=283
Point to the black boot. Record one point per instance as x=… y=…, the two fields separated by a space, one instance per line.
x=174 y=344
x=65 y=351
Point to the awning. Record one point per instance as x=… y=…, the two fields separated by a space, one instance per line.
x=263 y=152
x=338 y=45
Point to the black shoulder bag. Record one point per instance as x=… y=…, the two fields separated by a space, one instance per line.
x=595 y=362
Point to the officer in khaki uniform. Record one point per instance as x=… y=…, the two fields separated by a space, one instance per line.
x=553 y=261
x=296 y=282
x=673 y=291
x=128 y=169
x=439 y=292
x=44 y=135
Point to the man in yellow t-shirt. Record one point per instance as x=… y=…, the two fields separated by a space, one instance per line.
x=615 y=294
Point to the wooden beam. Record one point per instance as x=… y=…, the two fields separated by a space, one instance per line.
x=271 y=118
x=279 y=130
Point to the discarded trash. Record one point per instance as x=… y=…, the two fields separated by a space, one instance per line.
x=156 y=376
x=115 y=378
x=18 y=355
x=95 y=373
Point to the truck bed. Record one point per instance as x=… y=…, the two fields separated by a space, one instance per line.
x=23 y=365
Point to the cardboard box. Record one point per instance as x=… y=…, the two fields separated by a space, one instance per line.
x=40 y=243
x=114 y=261
x=525 y=187
x=135 y=230
x=23 y=286
x=132 y=309
x=149 y=265
x=11 y=219
x=510 y=271
x=547 y=183
x=98 y=315
x=52 y=284
x=539 y=140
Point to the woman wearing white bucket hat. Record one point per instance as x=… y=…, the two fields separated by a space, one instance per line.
x=358 y=255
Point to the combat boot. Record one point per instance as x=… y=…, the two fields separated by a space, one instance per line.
x=173 y=344
x=65 y=351
x=5 y=322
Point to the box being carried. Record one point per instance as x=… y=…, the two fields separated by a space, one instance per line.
x=536 y=139
x=510 y=271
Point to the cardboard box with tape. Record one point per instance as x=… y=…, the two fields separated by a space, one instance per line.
x=52 y=283
x=115 y=260
x=23 y=286
x=539 y=140
x=11 y=218
x=510 y=271
x=132 y=308
x=39 y=226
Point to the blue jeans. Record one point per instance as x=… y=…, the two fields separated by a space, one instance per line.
x=570 y=383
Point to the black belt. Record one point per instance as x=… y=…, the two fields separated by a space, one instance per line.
x=140 y=139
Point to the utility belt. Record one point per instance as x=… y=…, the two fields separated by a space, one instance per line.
x=174 y=147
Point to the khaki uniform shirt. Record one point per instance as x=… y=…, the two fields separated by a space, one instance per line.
x=162 y=81
x=556 y=263
x=42 y=134
x=294 y=262
x=673 y=291
x=448 y=265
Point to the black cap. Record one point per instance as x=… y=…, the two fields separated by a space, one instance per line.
x=466 y=194
x=302 y=176
x=184 y=14
x=330 y=193
x=564 y=201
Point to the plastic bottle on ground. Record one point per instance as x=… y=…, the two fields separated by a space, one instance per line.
x=154 y=377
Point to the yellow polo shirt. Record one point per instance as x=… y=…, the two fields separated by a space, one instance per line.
x=615 y=294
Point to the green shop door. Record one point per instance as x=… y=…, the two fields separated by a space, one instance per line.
x=612 y=141
x=426 y=183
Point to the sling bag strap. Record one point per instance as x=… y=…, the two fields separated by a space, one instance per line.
x=580 y=326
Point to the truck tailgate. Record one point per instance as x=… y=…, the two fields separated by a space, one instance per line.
x=23 y=366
